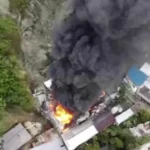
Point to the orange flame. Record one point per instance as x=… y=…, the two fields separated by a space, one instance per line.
x=51 y=106
x=63 y=115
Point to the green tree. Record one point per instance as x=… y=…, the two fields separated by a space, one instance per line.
x=2 y=107
x=91 y=145
x=94 y=145
x=117 y=142
x=144 y=116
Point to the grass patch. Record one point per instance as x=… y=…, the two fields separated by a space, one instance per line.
x=19 y=6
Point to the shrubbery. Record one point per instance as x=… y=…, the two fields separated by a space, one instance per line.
x=13 y=91
x=120 y=137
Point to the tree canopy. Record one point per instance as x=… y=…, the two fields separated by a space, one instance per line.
x=12 y=90
x=120 y=137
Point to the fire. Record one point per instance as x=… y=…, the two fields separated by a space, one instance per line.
x=63 y=115
x=51 y=106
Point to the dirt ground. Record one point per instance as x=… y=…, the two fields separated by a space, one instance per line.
x=15 y=115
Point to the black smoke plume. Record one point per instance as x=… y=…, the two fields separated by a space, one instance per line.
x=92 y=49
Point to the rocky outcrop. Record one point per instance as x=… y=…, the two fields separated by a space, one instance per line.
x=4 y=7
x=36 y=30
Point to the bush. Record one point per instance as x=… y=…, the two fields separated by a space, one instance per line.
x=13 y=91
x=144 y=116
x=121 y=138
x=2 y=107
x=92 y=145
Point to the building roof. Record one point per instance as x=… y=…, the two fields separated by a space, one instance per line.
x=54 y=142
x=84 y=132
x=147 y=83
x=124 y=116
x=141 y=129
x=146 y=68
x=15 y=138
x=48 y=83
x=52 y=145
x=81 y=137
x=137 y=76
x=69 y=137
x=101 y=122
x=144 y=92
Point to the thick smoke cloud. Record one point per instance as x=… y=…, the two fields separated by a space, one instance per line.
x=92 y=51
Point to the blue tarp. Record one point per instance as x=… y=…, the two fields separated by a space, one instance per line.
x=137 y=76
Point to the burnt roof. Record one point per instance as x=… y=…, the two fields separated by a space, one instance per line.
x=103 y=121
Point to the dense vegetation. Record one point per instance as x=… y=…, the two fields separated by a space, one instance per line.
x=13 y=87
x=119 y=137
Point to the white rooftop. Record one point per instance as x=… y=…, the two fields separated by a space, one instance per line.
x=81 y=137
x=146 y=68
x=15 y=138
x=147 y=83
x=85 y=133
x=124 y=116
x=55 y=143
x=48 y=83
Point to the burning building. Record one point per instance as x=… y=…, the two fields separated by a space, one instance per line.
x=92 y=52
x=73 y=127
x=64 y=118
x=92 y=49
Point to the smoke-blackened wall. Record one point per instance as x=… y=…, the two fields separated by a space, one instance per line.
x=92 y=51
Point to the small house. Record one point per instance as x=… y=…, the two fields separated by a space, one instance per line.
x=135 y=78
x=15 y=138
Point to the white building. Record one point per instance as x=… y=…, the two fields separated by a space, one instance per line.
x=124 y=116
x=144 y=90
x=141 y=129
x=138 y=81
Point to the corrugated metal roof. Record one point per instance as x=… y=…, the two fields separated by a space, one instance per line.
x=137 y=76
x=104 y=121
x=55 y=143
x=81 y=137
x=15 y=138
x=124 y=116
x=82 y=133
